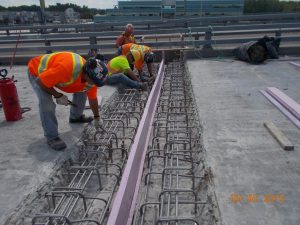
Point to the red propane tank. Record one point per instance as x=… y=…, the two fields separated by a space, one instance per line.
x=10 y=100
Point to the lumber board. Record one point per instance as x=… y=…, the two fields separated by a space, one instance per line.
x=279 y=136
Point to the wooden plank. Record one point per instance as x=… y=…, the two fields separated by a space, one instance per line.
x=287 y=113
x=125 y=200
x=279 y=136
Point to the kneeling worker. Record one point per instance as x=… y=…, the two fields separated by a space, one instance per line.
x=119 y=72
x=141 y=54
x=68 y=72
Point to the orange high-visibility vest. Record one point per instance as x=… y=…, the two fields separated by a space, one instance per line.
x=62 y=70
x=68 y=58
x=138 y=52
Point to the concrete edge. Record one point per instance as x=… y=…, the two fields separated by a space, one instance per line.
x=170 y=54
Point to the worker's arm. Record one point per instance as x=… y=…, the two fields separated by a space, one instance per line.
x=50 y=91
x=131 y=74
x=94 y=106
x=133 y=40
x=149 y=66
x=119 y=41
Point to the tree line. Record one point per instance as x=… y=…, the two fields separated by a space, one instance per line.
x=85 y=12
x=262 y=6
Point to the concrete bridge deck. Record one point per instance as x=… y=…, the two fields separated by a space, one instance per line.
x=245 y=159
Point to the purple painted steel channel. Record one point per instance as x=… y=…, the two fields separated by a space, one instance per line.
x=281 y=108
x=295 y=64
x=125 y=200
x=285 y=100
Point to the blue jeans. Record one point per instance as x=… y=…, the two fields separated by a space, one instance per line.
x=121 y=78
x=47 y=108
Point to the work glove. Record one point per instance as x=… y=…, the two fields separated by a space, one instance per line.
x=62 y=100
x=98 y=122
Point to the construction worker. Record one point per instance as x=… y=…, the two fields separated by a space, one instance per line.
x=50 y=74
x=126 y=37
x=94 y=53
x=141 y=54
x=119 y=72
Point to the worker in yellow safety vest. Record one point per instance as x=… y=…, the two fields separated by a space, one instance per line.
x=119 y=72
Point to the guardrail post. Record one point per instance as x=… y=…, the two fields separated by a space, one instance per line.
x=7 y=32
x=208 y=35
x=93 y=40
x=149 y=26
x=48 y=43
x=197 y=36
x=278 y=33
x=43 y=31
x=182 y=39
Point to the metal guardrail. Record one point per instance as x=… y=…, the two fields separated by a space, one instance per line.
x=149 y=24
x=222 y=39
x=139 y=33
x=44 y=43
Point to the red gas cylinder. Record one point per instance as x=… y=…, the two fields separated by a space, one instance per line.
x=9 y=98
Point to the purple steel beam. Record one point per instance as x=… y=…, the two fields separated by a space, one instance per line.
x=287 y=113
x=285 y=100
x=295 y=64
x=125 y=200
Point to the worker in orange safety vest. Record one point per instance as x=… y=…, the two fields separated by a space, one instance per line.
x=126 y=37
x=68 y=72
x=141 y=54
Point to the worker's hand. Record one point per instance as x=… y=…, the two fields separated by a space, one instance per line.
x=62 y=100
x=98 y=122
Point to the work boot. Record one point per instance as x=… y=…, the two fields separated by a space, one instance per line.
x=144 y=78
x=144 y=86
x=151 y=79
x=81 y=119
x=57 y=144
